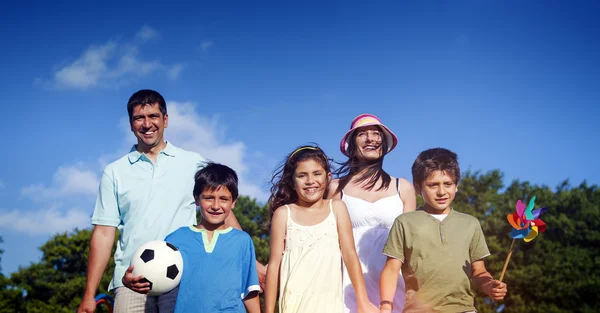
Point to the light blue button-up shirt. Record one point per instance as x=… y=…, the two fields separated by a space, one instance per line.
x=146 y=201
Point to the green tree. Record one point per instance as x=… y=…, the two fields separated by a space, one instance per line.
x=252 y=218
x=56 y=283
x=9 y=296
x=1 y=252
x=556 y=272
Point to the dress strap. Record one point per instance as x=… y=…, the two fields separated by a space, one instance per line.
x=398 y=187
x=288 y=211
x=331 y=205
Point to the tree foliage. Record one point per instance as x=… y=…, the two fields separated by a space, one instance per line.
x=56 y=283
x=556 y=272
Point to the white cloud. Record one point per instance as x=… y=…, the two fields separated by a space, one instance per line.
x=175 y=70
x=73 y=188
x=205 y=45
x=112 y=63
x=53 y=221
x=67 y=181
x=88 y=69
x=207 y=136
x=146 y=33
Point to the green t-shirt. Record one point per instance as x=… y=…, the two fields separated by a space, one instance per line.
x=436 y=259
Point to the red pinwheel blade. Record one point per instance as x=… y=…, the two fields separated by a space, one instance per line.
x=515 y=221
x=540 y=224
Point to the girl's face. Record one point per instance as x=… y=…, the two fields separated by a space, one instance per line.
x=369 y=142
x=310 y=181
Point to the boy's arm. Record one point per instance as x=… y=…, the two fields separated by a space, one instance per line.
x=481 y=277
x=252 y=303
x=394 y=250
x=388 y=282
x=278 y=226
x=484 y=281
x=346 y=239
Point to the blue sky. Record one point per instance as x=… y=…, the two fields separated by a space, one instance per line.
x=508 y=85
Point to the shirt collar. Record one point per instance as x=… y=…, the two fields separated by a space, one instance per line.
x=135 y=155
x=421 y=209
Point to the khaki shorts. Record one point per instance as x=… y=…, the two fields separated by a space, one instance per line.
x=129 y=301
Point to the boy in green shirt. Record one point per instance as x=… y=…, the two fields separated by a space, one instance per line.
x=438 y=249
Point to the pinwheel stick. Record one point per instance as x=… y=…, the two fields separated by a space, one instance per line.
x=507 y=259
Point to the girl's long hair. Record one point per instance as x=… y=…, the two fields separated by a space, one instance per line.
x=282 y=182
x=373 y=168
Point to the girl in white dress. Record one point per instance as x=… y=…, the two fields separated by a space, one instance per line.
x=374 y=199
x=309 y=238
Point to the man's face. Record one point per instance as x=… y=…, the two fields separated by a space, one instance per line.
x=148 y=125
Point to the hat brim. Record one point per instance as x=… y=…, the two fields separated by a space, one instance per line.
x=390 y=137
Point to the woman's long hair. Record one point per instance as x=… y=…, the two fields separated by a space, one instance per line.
x=282 y=182
x=373 y=169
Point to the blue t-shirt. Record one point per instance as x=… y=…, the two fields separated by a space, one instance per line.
x=217 y=275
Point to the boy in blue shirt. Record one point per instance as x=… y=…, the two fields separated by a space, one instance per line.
x=219 y=269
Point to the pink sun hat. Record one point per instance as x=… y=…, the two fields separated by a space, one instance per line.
x=368 y=120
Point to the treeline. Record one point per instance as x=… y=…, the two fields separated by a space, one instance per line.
x=556 y=272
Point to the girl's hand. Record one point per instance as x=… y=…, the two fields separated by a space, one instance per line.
x=368 y=307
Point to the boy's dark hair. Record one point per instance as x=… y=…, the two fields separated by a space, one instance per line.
x=282 y=182
x=214 y=175
x=373 y=170
x=146 y=97
x=436 y=159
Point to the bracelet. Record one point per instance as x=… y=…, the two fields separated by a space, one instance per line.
x=386 y=302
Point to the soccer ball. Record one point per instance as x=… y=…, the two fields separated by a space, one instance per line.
x=161 y=265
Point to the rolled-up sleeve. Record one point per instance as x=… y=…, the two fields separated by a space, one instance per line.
x=106 y=211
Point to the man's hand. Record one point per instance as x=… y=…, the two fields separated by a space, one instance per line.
x=87 y=305
x=136 y=283
x=496 y=290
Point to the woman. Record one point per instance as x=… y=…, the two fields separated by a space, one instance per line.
x=374 y=199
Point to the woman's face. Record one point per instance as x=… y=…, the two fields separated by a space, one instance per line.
x=368 y=142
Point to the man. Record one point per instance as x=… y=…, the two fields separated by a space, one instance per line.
x=146 y=195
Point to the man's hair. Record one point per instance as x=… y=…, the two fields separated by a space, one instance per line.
x=213 y=176
x=436 y=159
x=146 y=97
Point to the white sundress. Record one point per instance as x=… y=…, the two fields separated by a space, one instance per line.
x=310 y=278
x=371 y=223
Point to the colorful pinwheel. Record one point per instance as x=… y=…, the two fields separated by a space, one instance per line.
x=526 y=225
x=525 y=221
